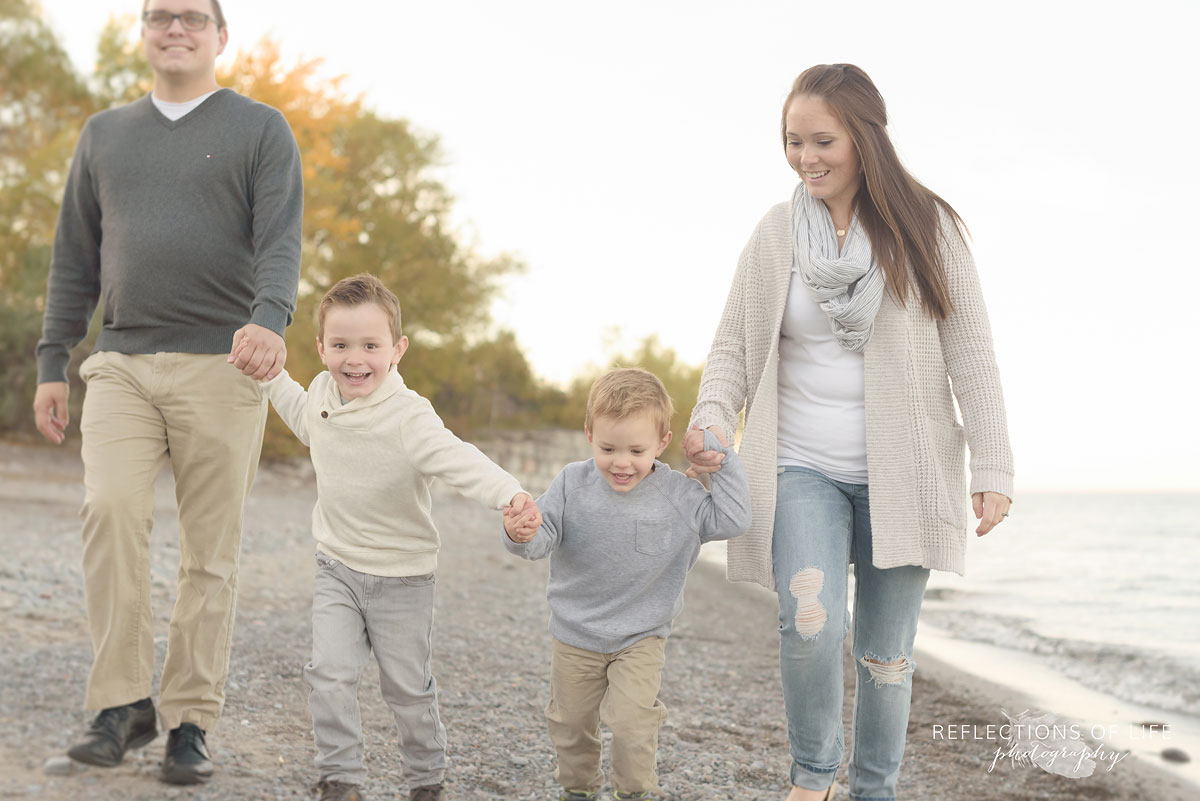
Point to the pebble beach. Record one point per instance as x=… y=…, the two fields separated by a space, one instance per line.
x=725 y=737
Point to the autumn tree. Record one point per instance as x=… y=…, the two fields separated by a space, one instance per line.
x=121 y=74
x=43 y=103
x=372 y=204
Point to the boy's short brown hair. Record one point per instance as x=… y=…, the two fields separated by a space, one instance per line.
x=355 y=291
x=626 y=391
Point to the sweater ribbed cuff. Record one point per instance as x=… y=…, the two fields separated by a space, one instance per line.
x=706 y=420
x=52 y=365
x=276 y=318
x=992 y=480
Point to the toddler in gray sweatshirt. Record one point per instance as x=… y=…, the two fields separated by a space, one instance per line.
x=622 y=530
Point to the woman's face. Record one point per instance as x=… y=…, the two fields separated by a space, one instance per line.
x=821 y=152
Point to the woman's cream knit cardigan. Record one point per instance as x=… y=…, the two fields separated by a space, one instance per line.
x=914 y=441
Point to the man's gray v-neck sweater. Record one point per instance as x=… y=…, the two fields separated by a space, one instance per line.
x=188 y=229
x=619 y=560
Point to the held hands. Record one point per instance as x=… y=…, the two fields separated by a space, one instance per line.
x=990 y=509
x=522 y=518
x=258 y=352
x=702 y=461
x=50 y=410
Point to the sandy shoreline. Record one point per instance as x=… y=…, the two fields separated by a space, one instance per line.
x=725 y=737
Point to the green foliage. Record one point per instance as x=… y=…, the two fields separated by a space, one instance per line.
x=43 y=104
x=682 y=382
x=122 y=73
x=372 y=204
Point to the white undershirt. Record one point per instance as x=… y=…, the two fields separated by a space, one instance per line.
x=822 y=414
x=173 y=111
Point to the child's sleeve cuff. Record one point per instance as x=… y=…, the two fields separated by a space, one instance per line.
x=711 y=443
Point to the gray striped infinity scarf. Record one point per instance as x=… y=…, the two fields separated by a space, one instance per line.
x=848 y=287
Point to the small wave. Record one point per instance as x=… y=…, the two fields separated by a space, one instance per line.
x=1136 y=675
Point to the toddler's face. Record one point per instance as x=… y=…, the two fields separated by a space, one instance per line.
x=625 y=449
x=357 y=348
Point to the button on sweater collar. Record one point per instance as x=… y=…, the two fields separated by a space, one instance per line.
x=333 y=402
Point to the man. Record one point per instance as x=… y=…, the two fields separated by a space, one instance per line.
x=182 y=210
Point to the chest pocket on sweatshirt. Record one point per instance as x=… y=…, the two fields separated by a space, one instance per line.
x=653 y=537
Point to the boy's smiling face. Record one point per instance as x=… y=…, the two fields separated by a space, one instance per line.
x=358 y=349
x=625 y=448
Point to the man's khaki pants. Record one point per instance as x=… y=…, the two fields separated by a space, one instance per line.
x=203 y=416
x=622 y=690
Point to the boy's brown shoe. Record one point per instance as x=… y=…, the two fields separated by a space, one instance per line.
x=339 y=791
x=113 y=732
x=431 y=792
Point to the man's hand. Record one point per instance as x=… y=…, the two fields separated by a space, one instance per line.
x=522 y=518
x=50 y=410
x=258 y=352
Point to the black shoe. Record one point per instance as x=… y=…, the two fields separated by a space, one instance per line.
x=187 y=760
x=114 y=731
x=430 y=792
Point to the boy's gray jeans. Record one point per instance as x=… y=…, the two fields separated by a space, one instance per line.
x=353 y=614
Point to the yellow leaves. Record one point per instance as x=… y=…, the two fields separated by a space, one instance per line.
x=371 y=204
x=122 y=74
x=319 y=113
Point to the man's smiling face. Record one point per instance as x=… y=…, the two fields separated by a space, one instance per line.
x=177 y=52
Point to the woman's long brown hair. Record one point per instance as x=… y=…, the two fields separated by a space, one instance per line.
x=899 y=214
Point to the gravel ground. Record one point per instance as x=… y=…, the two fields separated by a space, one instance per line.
x=725 y=737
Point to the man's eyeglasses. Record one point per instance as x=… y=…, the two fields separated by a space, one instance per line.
x=161 y=20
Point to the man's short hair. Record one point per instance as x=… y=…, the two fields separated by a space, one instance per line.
x=355 y=291
x=626 y=391
x=217 y=14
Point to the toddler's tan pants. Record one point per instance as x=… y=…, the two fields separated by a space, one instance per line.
x=620 y=689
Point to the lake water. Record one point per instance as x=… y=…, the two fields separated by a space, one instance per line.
x=1102 y=588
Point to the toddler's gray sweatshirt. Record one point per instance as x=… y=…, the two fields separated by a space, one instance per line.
x=618 y=561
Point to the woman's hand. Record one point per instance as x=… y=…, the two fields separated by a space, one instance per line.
x=990 y=509
x=700 y=460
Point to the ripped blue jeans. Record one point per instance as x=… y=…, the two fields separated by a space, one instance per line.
x=819 y=524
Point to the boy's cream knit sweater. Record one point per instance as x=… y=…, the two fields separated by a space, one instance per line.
x=375 y=458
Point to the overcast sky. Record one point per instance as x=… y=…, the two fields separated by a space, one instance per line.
x=625 y=151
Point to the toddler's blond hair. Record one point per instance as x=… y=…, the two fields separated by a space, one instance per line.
x=626 y=391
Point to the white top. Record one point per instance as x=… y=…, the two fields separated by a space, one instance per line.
x=822 y=412
x=914 y=441
x=173 y=111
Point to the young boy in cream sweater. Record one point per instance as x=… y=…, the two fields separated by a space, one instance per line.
x=622 y=530
x=376 y=446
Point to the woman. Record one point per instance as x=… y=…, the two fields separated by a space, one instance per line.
x=851 y=307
